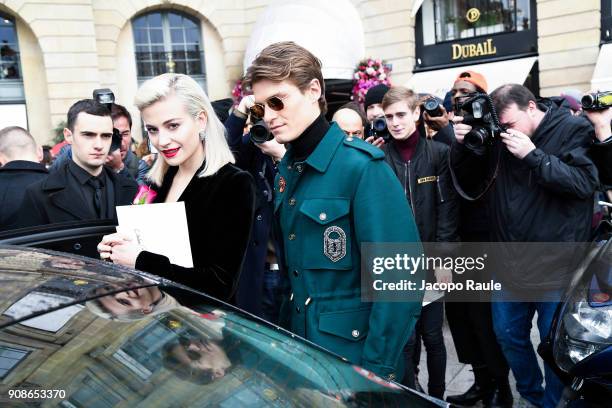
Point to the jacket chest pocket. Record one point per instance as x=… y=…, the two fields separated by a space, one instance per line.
x=327 y=233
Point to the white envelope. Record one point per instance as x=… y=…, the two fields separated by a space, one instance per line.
x=158 y=228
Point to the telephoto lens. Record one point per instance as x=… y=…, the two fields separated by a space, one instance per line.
x=432 y=107
x=597 y=101
x=260 y=133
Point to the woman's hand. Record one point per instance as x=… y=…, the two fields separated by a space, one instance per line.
x=120 y=249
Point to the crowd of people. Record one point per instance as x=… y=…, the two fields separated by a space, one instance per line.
x=276 y=227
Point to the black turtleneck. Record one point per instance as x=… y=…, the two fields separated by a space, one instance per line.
x=307 y=142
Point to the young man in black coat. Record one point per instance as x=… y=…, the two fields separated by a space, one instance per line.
x=20 y=161
x=81 y=188
x=421 y=166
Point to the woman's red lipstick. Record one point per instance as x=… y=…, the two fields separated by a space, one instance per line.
x=170 y=152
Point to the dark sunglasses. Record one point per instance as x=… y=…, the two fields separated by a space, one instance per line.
x=274 y=102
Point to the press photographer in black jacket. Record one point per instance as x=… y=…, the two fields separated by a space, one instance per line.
x=421 y=166
x=543 y=193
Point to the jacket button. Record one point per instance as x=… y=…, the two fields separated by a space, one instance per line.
x=299 y=168
x=259 y=217
x=291 y=237
x=292 y=201
x=391 y=377
x=322 y=216
x=295 y=273
x=355 y=333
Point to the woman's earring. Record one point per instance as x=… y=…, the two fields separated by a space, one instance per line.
x=202 y=134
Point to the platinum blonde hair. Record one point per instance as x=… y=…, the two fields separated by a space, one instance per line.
x=217 y=152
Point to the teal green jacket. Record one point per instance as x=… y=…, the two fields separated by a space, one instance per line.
x=343 y=195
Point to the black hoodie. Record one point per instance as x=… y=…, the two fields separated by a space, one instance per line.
x=546 y=197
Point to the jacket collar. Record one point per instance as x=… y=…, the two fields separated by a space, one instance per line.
x=326 y=149
x=65 y=197
x=18 y=165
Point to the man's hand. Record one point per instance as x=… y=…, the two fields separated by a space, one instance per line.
x=437 y=122
x=273 y=149
x=245 y=104
x=443 y=275
x=460 y=129
x=601 y=122
x=149 y=159
x=517 y=143
x=378 y=142
x=113 y=160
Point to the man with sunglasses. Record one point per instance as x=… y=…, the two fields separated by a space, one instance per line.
x=333 y=193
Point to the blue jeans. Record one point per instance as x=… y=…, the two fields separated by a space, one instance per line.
x=512 y=325
x=270 y=302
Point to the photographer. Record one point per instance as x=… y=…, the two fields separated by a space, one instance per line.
x=470 y=323
x=543 y=193
x=421 y=166
x=375 y=114
x=601 y=151
x=260 y=277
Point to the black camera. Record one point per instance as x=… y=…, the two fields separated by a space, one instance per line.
x=106 y=97
x=597 y=101
x=478 y=112
x=432 y=107
x=378 y=128
x=260 y=133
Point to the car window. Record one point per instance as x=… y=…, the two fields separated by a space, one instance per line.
x=165 y=346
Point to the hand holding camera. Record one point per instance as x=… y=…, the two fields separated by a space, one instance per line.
x=435 y=115
x=517 y=143
x=460 y=128
x=245 y=104
x=597 y=107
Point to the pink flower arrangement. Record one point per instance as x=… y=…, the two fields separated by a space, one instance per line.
x=145 y=195
x=370 y=72
x=237 y=92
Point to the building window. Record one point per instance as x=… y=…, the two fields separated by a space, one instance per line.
x=11 y=82
x=92 y=392
x=9 y=358
x=456 y=19
x=168 y=42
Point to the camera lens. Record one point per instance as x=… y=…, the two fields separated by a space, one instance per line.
x=587 y=101
x=432 y=106
x=260 y=133
x=476 y=138
x=379 y=124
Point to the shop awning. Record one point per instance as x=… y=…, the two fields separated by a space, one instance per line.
x=498 y=73
x=602 y=76
x=331 y=30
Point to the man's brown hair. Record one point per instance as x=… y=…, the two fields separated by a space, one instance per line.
x=287 y=61
x=400 y=94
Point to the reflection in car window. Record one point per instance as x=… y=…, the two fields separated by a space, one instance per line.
x=9 y=358
x=204 y=355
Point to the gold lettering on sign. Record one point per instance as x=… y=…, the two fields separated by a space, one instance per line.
x=474 y=50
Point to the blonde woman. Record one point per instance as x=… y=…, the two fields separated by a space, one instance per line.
x=194 y=166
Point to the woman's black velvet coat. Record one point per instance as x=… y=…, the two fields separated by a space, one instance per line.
x=219 y=217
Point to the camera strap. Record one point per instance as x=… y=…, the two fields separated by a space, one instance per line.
x=458 y=188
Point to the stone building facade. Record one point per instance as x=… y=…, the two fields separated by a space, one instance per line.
x=66 y=48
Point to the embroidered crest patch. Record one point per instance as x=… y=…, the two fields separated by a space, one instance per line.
x=334 y=243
